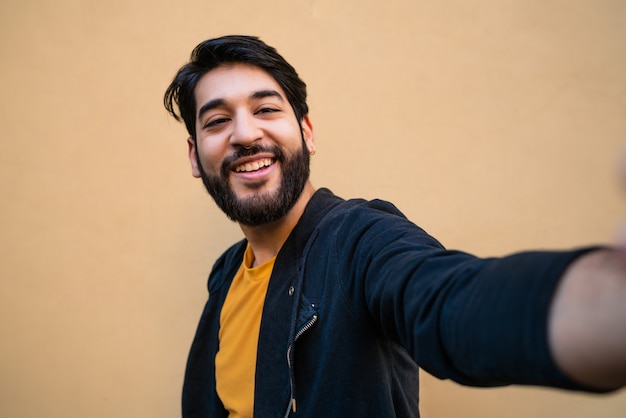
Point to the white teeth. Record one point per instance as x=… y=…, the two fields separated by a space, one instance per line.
x=245 y=168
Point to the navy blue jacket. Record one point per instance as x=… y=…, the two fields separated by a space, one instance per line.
x=359 y=297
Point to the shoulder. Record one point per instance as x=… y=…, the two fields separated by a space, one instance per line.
x=360 y=229
x=336 y=209
x=226 y=266
x=355 y=217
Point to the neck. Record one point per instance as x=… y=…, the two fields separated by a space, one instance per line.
x=267 y=240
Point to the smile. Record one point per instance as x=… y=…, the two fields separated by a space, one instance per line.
x=254 y=166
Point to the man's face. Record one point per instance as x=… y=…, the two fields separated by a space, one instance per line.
x=249 y=148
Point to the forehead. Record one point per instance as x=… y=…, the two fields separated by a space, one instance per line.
x=234 y=81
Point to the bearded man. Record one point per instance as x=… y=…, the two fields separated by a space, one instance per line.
x=329 y=306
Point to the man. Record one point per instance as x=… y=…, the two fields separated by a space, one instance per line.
x=328 y=307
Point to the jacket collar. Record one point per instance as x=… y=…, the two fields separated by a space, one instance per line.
x=273 y=390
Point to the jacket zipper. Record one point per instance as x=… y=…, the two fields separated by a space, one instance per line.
x=292 y=402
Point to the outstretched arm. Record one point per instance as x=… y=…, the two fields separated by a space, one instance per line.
x=587 y=322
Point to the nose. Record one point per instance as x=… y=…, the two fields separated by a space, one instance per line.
x=245 y=130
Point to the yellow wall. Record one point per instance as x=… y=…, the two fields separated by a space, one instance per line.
x=496 y=125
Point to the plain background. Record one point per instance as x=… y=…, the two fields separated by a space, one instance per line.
x=495 y=125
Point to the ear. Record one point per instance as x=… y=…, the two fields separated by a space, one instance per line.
x=307 y=134
x=193 y=157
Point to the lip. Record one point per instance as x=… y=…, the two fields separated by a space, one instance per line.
x=254 y=165
x=261 y=159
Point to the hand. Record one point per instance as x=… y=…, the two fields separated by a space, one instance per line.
x=587 y=322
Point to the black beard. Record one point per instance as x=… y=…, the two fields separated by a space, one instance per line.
x=260 y=208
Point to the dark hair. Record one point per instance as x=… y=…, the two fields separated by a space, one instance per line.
x=213 y=53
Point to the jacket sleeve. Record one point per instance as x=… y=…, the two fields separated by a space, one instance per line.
x=480 y=322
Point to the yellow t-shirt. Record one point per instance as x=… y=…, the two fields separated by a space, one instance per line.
x=240 y=320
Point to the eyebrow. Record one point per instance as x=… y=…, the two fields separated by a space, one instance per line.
x=212 y=104
x=261 y=94
x=266 y=93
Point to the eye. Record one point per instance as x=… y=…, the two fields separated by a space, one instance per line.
x=267 y=110
x=215 y=122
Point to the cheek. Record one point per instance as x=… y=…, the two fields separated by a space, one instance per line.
x=290 y=134
x=210 y=156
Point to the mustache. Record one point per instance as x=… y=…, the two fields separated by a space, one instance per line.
x=229 y=162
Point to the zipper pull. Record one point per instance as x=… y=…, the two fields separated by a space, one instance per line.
x=293 y=405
